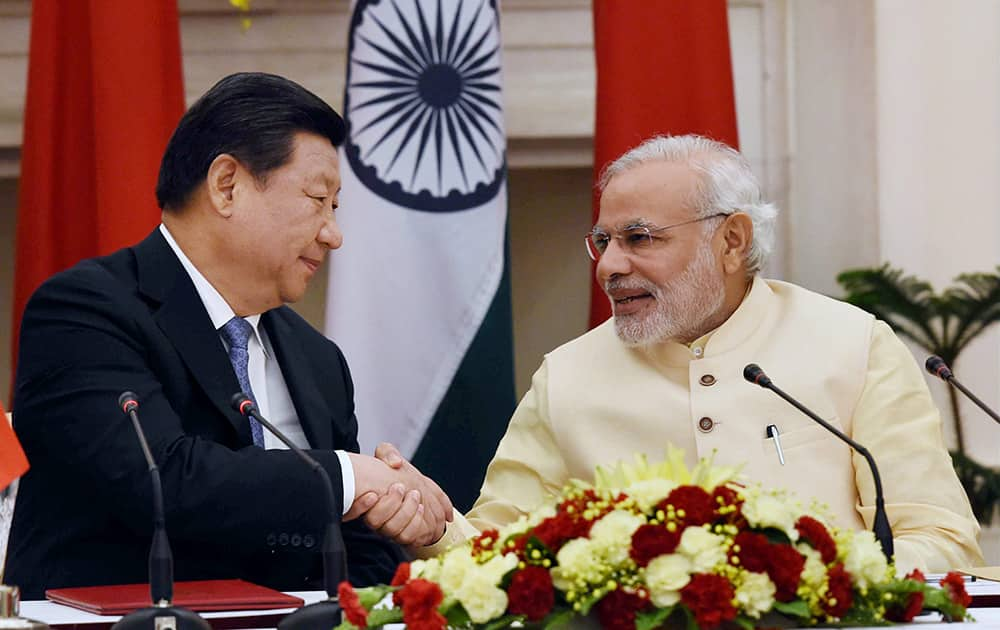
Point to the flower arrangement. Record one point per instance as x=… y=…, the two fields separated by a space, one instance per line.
x=649 y=546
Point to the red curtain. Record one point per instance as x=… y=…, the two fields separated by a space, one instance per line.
x=663 y=67
x=104 y=93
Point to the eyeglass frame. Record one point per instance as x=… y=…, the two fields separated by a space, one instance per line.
x=645 y=228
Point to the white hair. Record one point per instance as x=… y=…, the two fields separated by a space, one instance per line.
x=727 y=185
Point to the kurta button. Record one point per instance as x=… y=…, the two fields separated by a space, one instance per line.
x=706 y=424
x=706 y=380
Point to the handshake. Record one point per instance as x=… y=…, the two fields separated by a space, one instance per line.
x=397 y=500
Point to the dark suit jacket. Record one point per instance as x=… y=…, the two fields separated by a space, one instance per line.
x=134 y=321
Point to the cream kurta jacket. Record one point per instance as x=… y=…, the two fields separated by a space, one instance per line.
x=596 y=401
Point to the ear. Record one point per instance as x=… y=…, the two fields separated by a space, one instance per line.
x=737 y=236
x=221 y=183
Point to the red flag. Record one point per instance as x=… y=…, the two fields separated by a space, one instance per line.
x=13 y=463
x=663 y=67
x=104 y=94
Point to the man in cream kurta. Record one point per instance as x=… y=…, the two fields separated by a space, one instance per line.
x=689 y=313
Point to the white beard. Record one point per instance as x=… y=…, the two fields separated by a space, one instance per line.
x=684 y=305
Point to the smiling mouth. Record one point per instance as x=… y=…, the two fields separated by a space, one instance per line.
x=313 y=265
x=631 y=298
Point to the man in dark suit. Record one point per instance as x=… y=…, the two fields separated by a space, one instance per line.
x=195 y=312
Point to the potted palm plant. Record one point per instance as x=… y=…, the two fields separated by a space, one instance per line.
x=943 y=324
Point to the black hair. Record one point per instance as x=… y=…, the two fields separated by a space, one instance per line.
x=250 y=115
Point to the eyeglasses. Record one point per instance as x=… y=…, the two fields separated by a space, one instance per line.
x=635 y=240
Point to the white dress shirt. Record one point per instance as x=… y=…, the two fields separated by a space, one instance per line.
x=266 y=379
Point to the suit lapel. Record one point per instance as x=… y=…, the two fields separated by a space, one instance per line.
x=185 y=322
x=310 y=406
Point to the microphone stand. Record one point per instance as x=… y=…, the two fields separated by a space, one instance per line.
x=936 y=366
x=881 y=528
x=327 y=613
x=162 y=614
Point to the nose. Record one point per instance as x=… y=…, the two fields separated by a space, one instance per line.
x=330 y=234
x=614 y=262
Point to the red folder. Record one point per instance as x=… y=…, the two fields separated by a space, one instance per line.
x=201 y=595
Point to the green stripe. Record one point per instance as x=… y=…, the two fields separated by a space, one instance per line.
x=463 y=435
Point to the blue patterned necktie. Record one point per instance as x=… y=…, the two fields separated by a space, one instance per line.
x=237 y=333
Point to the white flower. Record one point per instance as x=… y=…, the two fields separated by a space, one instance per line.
x=456 y=564
x=703 y=548
x=576 y=561
x=499 y=566
x=648 y=492
x=864 y=559
x=755 y=593
x=480 y=596
x=763 y=509
x=612 y=535
x=666 y=575
x=426 y=569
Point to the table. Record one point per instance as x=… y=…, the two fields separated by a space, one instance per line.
x=67 y=618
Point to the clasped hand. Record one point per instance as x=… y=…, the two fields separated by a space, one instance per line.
x=396 y=499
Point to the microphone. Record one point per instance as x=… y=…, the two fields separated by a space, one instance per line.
x=326 y=613
x=161 y=560
x=883 y=532
x=936 y=366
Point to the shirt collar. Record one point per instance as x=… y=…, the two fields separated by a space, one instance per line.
x=218 y=309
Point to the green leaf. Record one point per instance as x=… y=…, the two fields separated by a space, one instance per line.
x=794 y=608
x=455 y=613
x=745 y=623
x=558 y=619
x=503 y=622
x=653 y=618
x=346 y=625
x=372 y=595
x=383 y=616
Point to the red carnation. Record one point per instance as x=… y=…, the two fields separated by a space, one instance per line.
x=905 y=614
x=917 y=575
x=650 y=541
x=754 y=551
x=618 y=609
x=710 y=598
x=784 y=567
x=402 y=577
x=816 y=534
x=421 y=599
x=698 y=505
x=556 y=530
x=955 y=585
x=531 y=593
x=351 y=605
x=839 y=592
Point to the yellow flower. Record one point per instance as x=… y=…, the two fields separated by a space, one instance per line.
x=665 y=576
x=755 y=593
x=612 y=535
x=673 y=469
x=703 y=548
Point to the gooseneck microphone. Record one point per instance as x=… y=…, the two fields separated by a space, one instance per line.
x=883 y=532
x=936 y=366
x=324 y=614
x=161 y=560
